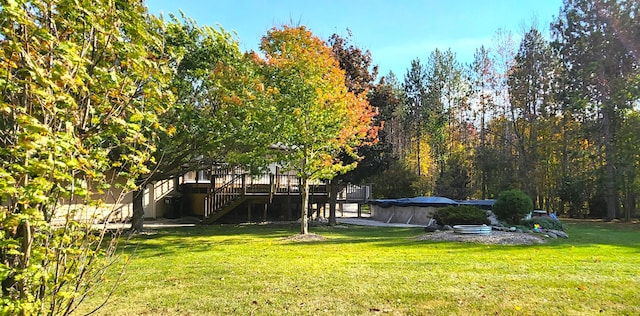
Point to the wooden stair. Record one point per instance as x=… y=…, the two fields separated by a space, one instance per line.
x=220 y=201
x=216 y=215
x=239 y=187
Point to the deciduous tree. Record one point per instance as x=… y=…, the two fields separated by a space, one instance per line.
x=82 y=83
x=218 y=113
x=318 y=117
x=359 y=79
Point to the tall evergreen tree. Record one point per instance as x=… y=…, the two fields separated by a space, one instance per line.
x=444 y=107
x=415 y=89
x=596 y=42
x=481 y=80
x=531 y=92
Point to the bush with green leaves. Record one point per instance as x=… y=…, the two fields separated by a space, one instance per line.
x=545 y=222
x=461 y=215
x=83 y=83
x=512 y=205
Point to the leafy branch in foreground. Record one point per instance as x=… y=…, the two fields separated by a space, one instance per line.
x=81 y=86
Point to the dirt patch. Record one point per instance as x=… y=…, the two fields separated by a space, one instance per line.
x=495 y=238
x=305 y=238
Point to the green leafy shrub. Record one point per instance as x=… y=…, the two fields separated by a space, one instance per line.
x=461 y=215
x=545 y=222
x=511 y=206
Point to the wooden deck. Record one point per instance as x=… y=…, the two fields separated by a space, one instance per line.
x=214 y=193
x=227 y=189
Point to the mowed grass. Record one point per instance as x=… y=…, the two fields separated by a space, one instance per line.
x=254 y=270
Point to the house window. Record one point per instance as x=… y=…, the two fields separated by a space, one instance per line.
x=203 y=175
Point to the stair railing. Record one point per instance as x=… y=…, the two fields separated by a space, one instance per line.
x=225 y=194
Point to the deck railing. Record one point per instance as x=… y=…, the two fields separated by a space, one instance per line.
x=355 y=193
x=230 y=185
x=225 y=194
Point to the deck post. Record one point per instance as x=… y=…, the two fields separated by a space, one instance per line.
x=249 y=212
x=288 y=207
x=244 y=184
x=272 y=189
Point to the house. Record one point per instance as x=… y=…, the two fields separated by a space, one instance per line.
x=117 y=204
x=220 y=193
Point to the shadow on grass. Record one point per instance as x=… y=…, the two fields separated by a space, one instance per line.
x=205 y=238
x=162 y=241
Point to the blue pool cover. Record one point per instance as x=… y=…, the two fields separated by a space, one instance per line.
x=481 y=204
x=434 y=201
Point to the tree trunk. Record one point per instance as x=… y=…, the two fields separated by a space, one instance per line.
x=137 y=221
x=304 y=217
x=418 y=135
x=483 y=172
x=631 y=203
x=609 y=156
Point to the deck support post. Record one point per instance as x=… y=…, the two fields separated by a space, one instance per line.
x=288 y=207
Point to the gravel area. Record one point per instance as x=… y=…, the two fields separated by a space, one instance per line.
x=305 y=238
x=495 y=238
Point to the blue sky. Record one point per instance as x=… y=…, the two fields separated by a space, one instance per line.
x=395 y=32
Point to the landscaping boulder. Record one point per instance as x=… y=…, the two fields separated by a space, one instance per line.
x=493 y=219
x=432 y=228
x=559 y=233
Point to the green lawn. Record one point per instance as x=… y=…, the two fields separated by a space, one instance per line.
x=252 y=269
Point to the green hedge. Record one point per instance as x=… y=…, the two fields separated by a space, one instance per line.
x=461 y=215
x=511 y=206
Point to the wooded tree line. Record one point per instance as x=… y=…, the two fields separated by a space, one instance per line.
x=556 y=118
